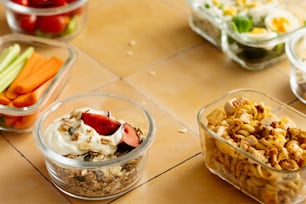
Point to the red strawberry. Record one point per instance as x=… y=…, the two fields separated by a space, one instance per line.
x=130 y=136
x=101 y=123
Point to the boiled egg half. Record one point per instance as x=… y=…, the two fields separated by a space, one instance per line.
x=281 y=21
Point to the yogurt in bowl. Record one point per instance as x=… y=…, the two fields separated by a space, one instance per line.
x=95 y=145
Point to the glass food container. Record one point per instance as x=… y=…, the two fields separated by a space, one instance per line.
x=61 y=21
x=101 y=178
x=252 y=33
x=21 y=119
x=257 y=144
x=296 y=52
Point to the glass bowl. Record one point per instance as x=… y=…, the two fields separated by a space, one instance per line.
x=101 y=179
x=257 y=144
x=21 y=119
x=296 y=52
x=252 y=33
x=61 y=22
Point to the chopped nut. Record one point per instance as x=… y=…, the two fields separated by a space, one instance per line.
x=71 y=130
x=84 y=146
x=132 y=43
x=183 y=130
x=75 y=136
x=64 y=127
x=152 y=73
x=104 y=141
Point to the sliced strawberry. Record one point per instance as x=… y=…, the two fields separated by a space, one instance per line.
x=130 y=136
x=101 y=123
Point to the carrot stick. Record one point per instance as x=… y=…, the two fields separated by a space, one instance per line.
x=29 y=68
x=3 y=99
x=25 y=121
x=9 y=121
x=43 y=74
x=31 y=97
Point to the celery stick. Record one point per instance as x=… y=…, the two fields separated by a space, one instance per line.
x=11 y=72
x=10 y=56
x=4 y=53
x=23 y=56
x=9 y=78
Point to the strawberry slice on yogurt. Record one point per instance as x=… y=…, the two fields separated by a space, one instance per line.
x=104 y=125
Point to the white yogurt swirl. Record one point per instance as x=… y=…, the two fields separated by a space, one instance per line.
x=81 y=138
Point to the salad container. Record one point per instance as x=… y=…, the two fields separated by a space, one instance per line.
x=257 y=144
x=252 y=33
x=21 y=119
x=296 y=52
x=96 y=179
x=63 y=20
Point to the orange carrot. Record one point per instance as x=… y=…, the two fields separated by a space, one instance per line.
x=43 y=74
x=31 y=97
x=3 y=99
x=25 y=121
x=10 y=120
x=33 y=62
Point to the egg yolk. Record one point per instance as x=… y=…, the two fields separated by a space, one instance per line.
x=216 y=2
x=230 y=11
x=258 y=31
x=280 y=24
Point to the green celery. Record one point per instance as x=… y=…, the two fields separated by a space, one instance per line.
x=11 y=72
x=8 y=56
x=10 y=76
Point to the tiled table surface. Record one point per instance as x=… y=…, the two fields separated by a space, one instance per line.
x=173 y=72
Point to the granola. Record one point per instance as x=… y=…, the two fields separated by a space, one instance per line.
x=88 y=135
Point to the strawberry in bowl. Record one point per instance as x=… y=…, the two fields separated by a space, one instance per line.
x=90 y=152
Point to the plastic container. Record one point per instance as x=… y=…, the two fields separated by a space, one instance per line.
x=252 y=150
x=61 y=22
x=296 y=52
x=46 y=48
x=101 y=179
x=252 y=33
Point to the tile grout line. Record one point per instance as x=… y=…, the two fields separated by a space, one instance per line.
x=29 y=161
x=145 y=68
x=160 y=174
x=162 y=108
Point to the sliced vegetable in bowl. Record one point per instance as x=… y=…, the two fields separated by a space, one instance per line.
x=37 y=72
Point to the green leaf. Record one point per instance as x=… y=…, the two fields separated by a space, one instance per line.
x=242 y=24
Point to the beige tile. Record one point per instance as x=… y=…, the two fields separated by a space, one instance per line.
x=189 y=182
x=194 y=78
x=298 y=105
x=158 y=30
x=87 y=74
x=179 y=4
x=21 y=182
x=173 y=72
x=169 y=148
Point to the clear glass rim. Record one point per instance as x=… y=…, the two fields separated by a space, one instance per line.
x=72 y=55
x=227 y=27
x=290 y=49
x=246 y=154
x=43 y=11
x=53 y=156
